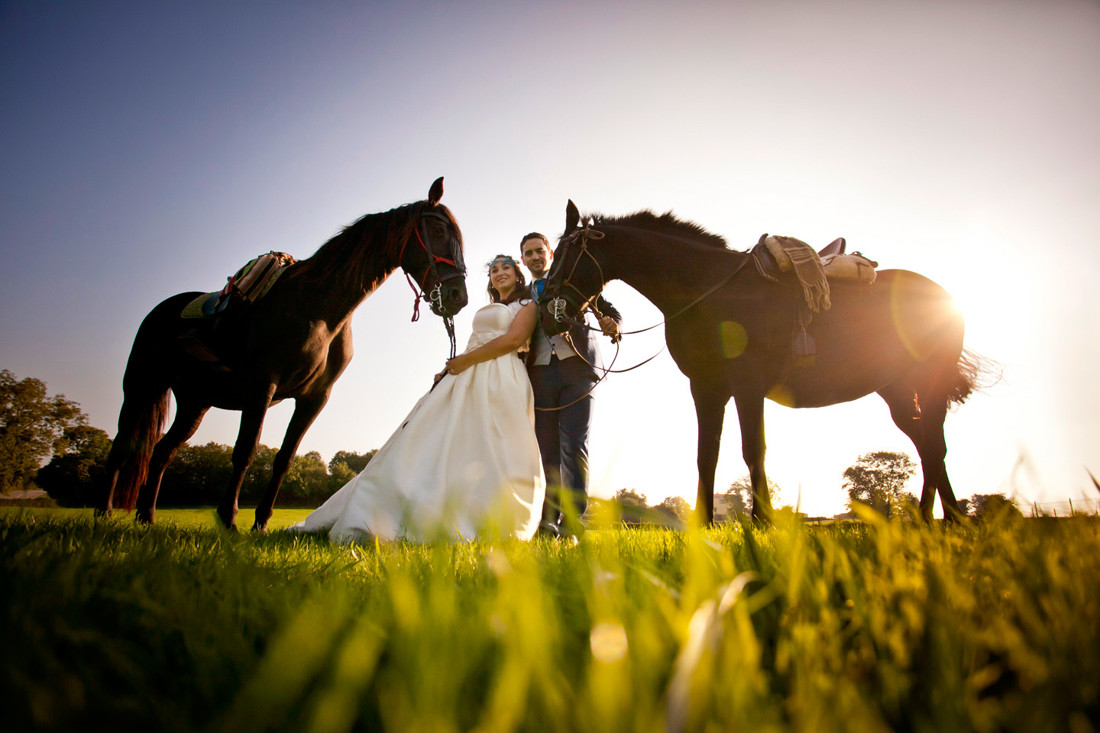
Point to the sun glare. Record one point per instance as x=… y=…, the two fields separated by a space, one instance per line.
x=996 y=321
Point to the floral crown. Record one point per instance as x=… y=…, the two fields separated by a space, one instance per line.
x=501 y=260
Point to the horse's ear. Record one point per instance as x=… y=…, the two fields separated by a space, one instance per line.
x=436 y=191
x=572 y=216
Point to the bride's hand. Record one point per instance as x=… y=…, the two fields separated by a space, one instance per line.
x=458 y=364
x=437 y=377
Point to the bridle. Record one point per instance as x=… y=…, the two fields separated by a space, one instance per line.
x=556 y=305
x=434 y=297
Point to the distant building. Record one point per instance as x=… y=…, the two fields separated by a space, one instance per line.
x=723 y=508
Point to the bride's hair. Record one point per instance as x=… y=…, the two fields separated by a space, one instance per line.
x=520 y=291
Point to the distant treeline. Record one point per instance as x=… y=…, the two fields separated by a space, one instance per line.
x=199 y=475
x=35 y=425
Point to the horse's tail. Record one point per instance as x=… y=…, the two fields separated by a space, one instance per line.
x=140 y=422
x=973 y=372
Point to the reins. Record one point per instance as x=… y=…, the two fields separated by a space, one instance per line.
x=556 y=306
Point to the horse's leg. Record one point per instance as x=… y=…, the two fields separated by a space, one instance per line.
x=305 y=412
x=925 y=429
x=710 y=412
x=244 y=450
x=951 y=510
x=750 y=416
x=105 y=505
x=139 y=424
x=188 y=417
x=933 y=417
x=904 y=413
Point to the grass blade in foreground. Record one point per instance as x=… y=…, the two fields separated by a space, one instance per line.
x=875 y=626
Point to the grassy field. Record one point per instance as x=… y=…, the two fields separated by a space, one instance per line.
x=857 y=627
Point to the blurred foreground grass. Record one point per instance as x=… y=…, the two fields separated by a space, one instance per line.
x=873 y=626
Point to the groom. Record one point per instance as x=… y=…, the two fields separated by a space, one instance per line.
x=562 y=380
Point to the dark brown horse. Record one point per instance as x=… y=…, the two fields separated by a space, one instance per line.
x=292 y=344
x=731 y=331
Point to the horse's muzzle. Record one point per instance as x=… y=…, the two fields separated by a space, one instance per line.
x=448 y=299
x=552 y=317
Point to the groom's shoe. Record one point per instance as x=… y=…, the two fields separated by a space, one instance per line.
x=571 y=529
x=548 y=529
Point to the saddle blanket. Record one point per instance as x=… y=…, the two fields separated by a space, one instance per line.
x=247 y=285
x=794 y=254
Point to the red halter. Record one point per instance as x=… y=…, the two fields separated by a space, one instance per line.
x=434 y=260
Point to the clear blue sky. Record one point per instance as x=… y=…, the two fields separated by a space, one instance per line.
x=152 y=148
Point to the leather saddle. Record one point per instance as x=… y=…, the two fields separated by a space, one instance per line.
x=835 y=247
x=768 y=266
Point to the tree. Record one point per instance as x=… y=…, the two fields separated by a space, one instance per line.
x=307 y=479
x=198 y=476
x=878 y=480
x=675 y=508
x=345 y=466
x=966 y=506
x=258 y=475
x=73 y=476
x=628 y=497
x=986 y=506
x=339 y=475
x=32 y=427
x=739 y=495
x=632 y=505
x=356 y=462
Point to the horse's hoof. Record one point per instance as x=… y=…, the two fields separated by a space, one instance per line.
x=144 y=517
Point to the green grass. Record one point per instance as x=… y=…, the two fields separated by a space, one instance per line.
x=853 y=627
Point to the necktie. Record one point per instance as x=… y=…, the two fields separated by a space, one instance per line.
x=539 y=285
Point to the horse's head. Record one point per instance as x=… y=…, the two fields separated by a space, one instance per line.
x=437 y=263
x=575 y=279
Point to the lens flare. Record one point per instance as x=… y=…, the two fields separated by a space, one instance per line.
x=733 y=338
x=608 y=642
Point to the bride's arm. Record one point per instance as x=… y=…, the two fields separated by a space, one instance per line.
x=523 y=325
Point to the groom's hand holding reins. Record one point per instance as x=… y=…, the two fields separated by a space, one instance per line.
x=610 y=328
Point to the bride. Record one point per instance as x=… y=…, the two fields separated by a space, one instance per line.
x=465 y=462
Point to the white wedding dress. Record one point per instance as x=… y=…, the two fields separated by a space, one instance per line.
x=464 y=463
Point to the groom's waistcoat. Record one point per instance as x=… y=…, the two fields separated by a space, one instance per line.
x=544 y=346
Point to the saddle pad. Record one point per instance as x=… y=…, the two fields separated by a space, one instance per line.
x=852 y=266
x=252 y=281
x=198 y=308
x=794 y=254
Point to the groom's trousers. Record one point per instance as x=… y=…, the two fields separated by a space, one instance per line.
x=563 y=433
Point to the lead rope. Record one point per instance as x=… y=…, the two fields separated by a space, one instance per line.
x=569 y=340
x=449 y=323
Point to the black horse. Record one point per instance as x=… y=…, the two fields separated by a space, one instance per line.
x=291 y=344
x=732 y=332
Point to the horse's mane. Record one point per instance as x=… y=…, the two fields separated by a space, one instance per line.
x=665 y=223
x=365 y=251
